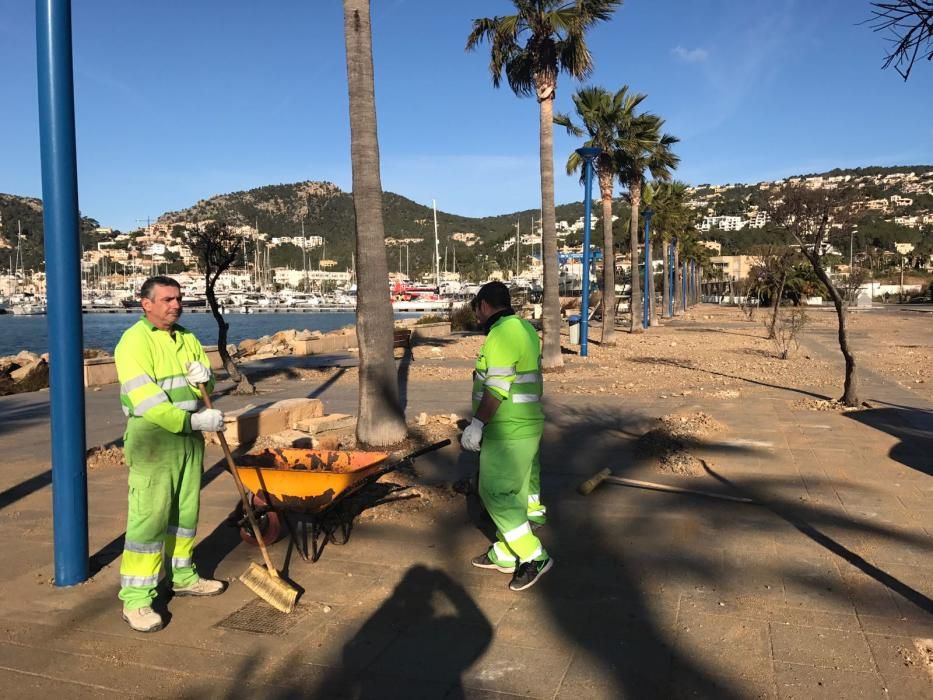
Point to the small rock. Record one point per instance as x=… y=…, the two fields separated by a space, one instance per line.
x=422 y=418
x=326 y=608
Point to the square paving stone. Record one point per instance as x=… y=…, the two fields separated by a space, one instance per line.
x=800 y=682
x=818 y=646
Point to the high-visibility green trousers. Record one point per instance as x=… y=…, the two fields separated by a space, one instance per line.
x=164 y=497
x=509 y=486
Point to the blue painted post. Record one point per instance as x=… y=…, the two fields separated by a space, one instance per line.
x=63 y=259
x=671 y=273
x=588 y=155
x=684 y=283
x=648 y=290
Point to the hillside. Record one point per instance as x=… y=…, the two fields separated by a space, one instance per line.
x=323 y=209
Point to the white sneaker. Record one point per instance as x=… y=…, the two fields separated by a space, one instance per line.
x=202 y=587
x=143 y=619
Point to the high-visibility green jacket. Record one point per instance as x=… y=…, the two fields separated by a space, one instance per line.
x=151 y=370
x=509 y=367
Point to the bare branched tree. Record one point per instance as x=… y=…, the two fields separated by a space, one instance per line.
x=811 y=216
x=786 y=330
x=772 y=265
x=910 y=23
x=217 y=248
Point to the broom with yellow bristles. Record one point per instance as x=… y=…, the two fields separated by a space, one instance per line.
x=266 y=583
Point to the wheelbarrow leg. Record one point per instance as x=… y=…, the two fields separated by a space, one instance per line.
x=302 y=551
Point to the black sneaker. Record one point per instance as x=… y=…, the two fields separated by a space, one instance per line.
x=528 y=574
x=484 y=562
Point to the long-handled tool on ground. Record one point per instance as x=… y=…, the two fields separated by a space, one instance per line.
x=267 y=584
x=586 y=488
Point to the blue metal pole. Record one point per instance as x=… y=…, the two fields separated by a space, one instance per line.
x=585 y=301
x=588 y=154
x=671 y=273
x=63 y=278
x=683 y=283
x=649 y=278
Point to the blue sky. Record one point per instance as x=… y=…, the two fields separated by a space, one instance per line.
x=179 y=101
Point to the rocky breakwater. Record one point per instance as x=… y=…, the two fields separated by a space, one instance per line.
x=292 y=342
x=24 y=371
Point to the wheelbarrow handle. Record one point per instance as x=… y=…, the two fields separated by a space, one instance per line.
x=382 y=471
x=426 y=450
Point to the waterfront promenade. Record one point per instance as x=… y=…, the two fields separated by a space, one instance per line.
x=822 y=590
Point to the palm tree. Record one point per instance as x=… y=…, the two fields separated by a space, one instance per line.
x=602 y=115
x=642 y=147
x=381 y=420
x=671 y=220
x=530 y=48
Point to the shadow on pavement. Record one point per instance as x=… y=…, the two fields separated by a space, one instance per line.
x=912 y=426
x=684 y=364
x=439 y=627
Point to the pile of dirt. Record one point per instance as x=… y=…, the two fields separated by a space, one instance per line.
x=823 y=405
x=921 y=656
x=669 y=444
x=105 y=457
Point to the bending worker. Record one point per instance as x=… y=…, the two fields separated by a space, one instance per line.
x=160 y=364
x=506 y=431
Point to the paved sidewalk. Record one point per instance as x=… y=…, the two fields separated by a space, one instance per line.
x=825 y=590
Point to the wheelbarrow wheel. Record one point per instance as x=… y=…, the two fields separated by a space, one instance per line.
x=270 y=525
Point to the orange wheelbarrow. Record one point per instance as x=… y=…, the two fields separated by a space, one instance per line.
x=317 y=485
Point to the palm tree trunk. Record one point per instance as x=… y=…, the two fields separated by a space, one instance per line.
x=381 y=420
x=634 y=188
x=609 y=261
x=550 y=350
x=678 y=284
x=666 y=299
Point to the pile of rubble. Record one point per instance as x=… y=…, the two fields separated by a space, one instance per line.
x=279 y=344
x=669 y=444
x=25 y=371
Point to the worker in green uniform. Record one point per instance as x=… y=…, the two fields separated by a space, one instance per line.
x=159 y=365
x=506 y=430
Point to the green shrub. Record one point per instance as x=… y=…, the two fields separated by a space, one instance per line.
x=430 y=318
x=462 y=318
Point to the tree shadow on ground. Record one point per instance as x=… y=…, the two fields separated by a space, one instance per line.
x=912 y=426
x=685 y=364
x=21 y=412
x=806 y=519
x=619 y=574
x=703 y=329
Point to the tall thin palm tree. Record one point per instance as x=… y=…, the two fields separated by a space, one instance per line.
x=381 y=420
x=531 y=48
x=671 y=220
x=642 y=147
x=602 y=115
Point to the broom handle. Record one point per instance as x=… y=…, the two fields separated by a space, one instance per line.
x=239 y=484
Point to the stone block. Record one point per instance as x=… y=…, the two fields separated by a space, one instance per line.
x=321 y=424
x=213 y=354
x=431 y=330
x=251 y=422
x=100 y=371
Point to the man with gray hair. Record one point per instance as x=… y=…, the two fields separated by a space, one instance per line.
x=160 y=365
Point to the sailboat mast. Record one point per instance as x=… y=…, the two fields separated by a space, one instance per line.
x=437 y=251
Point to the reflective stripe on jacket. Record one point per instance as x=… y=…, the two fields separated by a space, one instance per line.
x=509 y=367
x=151 y=370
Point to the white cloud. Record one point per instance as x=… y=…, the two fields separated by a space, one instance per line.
x=697 y=55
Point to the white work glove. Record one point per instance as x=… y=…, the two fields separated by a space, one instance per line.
x=472 y=436
x=197 y=373
x=210 y=420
